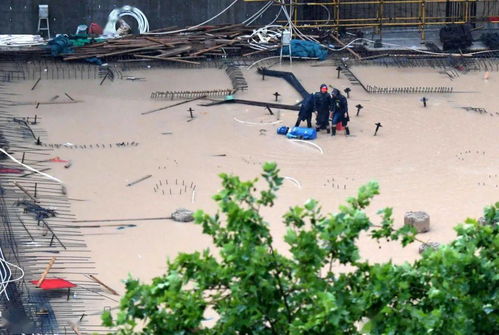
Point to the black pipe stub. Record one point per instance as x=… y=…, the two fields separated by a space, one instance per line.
x=277 y=95
x=424 y=100
x=359 y=107
x=347 y=91
x=378 y=125
x=339 y=71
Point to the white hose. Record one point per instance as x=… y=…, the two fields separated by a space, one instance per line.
x=30 y=168
x=310 y=143
x=116 y=14
x=193 y=196
x=260 y=60
x=5 y=281
x=294 y=181
x=196 y=26
x=257 y=123
x=255 y=16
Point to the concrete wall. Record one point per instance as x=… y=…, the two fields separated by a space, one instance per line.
x=21 y=16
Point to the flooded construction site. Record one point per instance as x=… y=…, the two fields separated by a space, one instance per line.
x=97 y=156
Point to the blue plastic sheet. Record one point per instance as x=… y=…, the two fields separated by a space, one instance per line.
x=300 y=48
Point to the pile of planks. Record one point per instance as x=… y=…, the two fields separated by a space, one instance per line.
x=187 y=46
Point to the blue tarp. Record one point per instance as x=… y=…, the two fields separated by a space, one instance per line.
x=300 y=48
x=302 y=133
x=60 y=45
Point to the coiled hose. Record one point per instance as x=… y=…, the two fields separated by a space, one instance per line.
x=116 y=14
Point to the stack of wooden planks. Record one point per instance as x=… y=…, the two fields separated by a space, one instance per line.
x=186 y=46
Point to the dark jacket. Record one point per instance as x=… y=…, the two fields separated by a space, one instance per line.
x=339 y=107
x=307 y=107
x=322 y=106
x=322 y=102
x=339 y=104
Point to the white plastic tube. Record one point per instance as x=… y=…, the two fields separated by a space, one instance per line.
x=310 y=143
x=256 y=123
x=116 y=14
x=30 y=168
x=297 y=183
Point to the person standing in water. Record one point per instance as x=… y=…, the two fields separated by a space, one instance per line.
x=322 y=106
x=339 y=112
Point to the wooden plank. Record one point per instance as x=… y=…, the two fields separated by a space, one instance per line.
x=213 y=48
x=102 y=284
x=114 y=53
x=176 y=51
x=168 y=59
x=46 y=272
x=159 y=41
x=124 y=46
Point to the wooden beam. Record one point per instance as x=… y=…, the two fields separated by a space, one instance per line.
x=213 y=48
x=166 y=44
x=46 y=272
x=122 y=52
x=102 y=284
x=168 y=59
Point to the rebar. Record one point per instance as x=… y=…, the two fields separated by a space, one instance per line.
x=171 y=95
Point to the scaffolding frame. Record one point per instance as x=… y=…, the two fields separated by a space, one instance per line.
x=388 y=13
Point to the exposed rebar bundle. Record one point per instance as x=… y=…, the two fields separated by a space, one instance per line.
x=236 y=76
x=171 y=95
x=408 y=89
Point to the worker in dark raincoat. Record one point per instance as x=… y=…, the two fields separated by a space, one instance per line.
x=339 y=111
x=322 y=106
x=306 y=110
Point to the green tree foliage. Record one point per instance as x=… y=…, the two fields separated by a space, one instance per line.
x=254 y=289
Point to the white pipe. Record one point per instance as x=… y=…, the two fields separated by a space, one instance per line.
x=313 y=144
x=257 y=123
x=254 y=17
x=294 y=181
x=30 y=168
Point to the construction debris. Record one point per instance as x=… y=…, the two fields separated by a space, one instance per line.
x=185 y=47
x=39 y=212
x=18 y=40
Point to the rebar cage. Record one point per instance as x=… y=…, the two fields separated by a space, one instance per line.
x=338 y=14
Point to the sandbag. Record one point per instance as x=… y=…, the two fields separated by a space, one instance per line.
x=283 y=130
